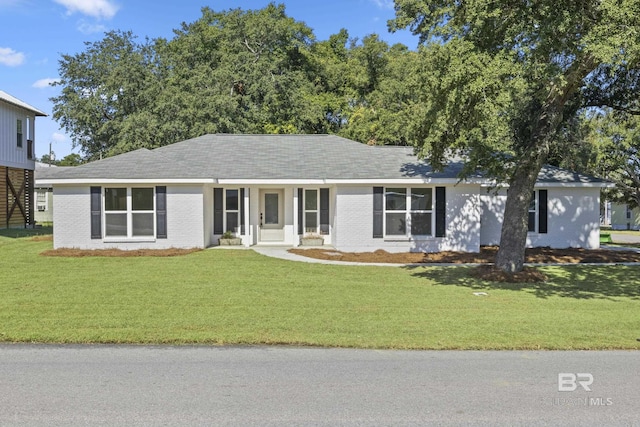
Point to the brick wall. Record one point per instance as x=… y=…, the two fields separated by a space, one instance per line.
x=354 y=223
x=185 y=227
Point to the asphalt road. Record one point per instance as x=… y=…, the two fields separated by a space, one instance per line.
x=140 y=385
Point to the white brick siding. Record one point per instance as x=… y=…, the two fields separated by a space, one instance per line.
x=573 y=218
x=354 y=223
x=72 y=210
x=473 y=217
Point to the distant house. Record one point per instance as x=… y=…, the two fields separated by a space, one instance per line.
x=624 y=218
x=276 y=189
x=43 y=194
x=17 y=161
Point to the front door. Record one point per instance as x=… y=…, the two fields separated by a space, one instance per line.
x=272 y=215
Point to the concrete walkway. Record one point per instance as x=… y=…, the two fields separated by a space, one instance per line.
x=283 y=253
x=621 y=238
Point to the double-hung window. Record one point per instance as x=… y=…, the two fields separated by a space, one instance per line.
x=533 y=209
x=232 y=209
x=129 y=212
x=408 y=211
x=311 y=211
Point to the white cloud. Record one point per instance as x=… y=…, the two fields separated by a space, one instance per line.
x=44 y=83
x=383 y=4
x=58 y=137
x=10 y=57
x=101 y=9
x=87 y=28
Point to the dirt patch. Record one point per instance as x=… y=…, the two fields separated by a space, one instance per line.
x=78 y=253
x=527 y=275
x=486 y=255
x=48 y=238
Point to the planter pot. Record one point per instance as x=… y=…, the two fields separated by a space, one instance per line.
x=236 y=241
x=311 y=242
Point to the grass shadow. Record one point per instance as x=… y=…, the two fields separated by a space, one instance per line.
x=16 y=233
x=578 y=282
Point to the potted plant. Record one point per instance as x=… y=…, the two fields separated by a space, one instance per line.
x=311 y=239
x=229 y=239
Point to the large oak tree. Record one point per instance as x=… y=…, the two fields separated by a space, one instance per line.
x=503 y=81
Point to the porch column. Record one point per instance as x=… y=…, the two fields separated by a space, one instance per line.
x=296 y=239
x=247 y=226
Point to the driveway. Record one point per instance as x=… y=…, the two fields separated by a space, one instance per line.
x=255 y=386
x=625 y=238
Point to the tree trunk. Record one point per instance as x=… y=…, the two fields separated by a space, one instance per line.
x=513 y=238
x=547 y=120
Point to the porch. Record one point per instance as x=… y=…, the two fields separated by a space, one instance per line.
x=270 y=215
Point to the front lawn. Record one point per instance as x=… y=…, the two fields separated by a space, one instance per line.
x=240 y=297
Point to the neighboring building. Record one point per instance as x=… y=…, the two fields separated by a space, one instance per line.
x=43 y=194
x=624 y=218
x=274 y=189
x=17 y=161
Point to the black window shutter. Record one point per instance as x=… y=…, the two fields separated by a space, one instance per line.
x=96 y=212
x=300 y=211
x=241 y=201
x=378 y=196
x=218 y=211
x=441 y=211
x=324 y=211
x=542 y=211
x=161 y=212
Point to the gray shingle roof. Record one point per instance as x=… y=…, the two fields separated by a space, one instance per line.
x=272 y=157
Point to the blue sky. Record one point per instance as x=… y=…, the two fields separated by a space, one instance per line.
x=34 y=33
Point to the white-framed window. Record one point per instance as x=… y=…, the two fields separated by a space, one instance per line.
x=532 y=223
x=232 y=210
x=129 y=212
x=311 y=215
x=408 y=211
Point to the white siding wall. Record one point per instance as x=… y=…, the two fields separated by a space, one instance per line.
x=354 y=223
x=619 y=220
x=10 y=154
x=72 y=218
x=573 y=219
x=492 y=216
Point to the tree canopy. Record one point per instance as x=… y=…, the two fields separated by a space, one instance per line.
x=237 y=71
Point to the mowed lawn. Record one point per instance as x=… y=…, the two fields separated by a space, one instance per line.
x=240 y=297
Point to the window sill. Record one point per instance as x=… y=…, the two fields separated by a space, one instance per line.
x=129 y=240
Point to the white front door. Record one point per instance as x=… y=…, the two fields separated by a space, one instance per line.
x=272 y=215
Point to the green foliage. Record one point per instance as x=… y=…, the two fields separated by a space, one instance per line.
x=508 y=76
x=72 y=159
x=615 y=138
x=231 y=72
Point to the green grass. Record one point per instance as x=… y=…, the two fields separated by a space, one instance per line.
x=609 y=230
x=240 y=297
